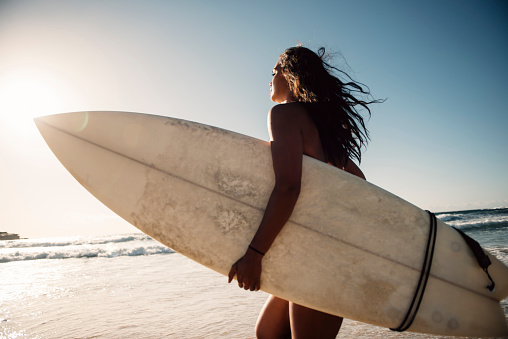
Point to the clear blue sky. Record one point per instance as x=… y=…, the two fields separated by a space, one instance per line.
x=439 y=141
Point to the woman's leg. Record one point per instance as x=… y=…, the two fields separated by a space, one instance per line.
x=273 y=321
x=309 y=323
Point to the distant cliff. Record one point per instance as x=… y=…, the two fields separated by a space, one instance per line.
x=8 y=236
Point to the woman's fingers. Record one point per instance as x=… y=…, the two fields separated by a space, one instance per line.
x=257 y=285
x=232 y=272
x=242 y=283
x=246 y=275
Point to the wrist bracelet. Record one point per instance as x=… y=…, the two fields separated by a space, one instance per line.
x=255 y=250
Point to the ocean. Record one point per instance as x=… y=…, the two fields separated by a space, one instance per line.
x=130 y=286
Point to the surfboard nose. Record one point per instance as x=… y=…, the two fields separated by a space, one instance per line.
x=69 y=122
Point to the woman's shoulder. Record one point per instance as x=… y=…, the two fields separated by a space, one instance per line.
x=289 y=117
x=290 y=110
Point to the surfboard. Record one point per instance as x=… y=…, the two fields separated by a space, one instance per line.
x=350 y=248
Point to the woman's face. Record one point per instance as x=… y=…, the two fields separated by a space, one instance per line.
x=279 y=87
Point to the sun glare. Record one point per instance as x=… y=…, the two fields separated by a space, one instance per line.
x=25 y=95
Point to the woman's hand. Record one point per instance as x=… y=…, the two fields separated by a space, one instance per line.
x=248 y=271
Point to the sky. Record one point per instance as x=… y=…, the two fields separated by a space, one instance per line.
x=439 y=140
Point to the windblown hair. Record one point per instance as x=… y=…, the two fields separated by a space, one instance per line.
x=332 y=103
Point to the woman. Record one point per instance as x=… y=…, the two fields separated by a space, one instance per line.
x=316 y=115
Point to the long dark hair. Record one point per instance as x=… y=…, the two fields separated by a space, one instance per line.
x=331 y=102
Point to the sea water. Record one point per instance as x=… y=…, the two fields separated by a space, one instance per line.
x=130 y=286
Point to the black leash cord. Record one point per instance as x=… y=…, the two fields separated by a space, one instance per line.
x=424 y=277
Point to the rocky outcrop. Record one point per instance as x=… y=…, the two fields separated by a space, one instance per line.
x=8 y=236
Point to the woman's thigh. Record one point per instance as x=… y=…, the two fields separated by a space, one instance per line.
x=273 y=321
x=309 y=323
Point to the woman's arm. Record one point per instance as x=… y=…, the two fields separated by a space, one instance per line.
x=287 y=153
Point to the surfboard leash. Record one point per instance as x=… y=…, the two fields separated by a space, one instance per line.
x=424 y=277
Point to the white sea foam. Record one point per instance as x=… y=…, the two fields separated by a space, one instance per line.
x=80 y=247
x=476 y=219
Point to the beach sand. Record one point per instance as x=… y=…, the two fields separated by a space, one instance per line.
x=156 y=296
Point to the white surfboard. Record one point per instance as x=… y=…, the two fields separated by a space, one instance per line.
x=350 y=248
